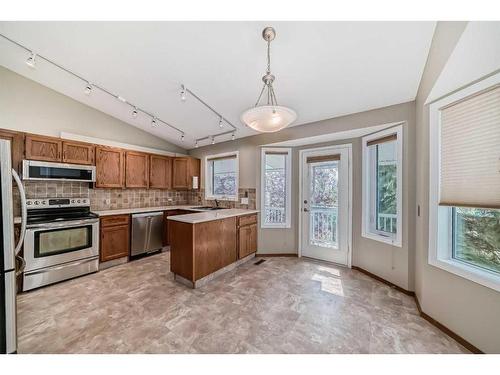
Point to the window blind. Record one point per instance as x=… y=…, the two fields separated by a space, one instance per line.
x=387 y=138
x=222 y=157
x=470 y=151
x=317 y=159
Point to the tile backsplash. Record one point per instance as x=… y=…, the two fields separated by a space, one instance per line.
x=112 y=199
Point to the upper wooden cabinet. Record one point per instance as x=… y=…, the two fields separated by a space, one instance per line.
x=43 y=148
x=160 y=172
x=136 y=169
x=183 y=171
x=78 y=153
x=16 y=146
x=110 y=166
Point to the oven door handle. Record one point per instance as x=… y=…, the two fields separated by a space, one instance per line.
x=63 y=266
x=65 y=224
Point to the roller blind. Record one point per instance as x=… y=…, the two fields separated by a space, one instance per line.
x=387 y=138
x=317 y=159
x=222 y=157
x=470 y=151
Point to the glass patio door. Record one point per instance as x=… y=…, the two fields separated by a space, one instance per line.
x=325 y=203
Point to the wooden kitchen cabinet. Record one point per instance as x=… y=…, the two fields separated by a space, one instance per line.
x=110 y=167
x=136 y=169
x=43 y=148
x=183 y=171
x=16 y=146
x=78 y=153
x=160 y=172
x=247 y=235
x=115 y=237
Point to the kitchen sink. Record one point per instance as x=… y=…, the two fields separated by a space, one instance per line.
x=207 y=208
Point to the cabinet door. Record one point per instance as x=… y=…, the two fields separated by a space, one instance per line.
x=78 y=153
x=16 y=146
x=43 y=148
x=180 y=173
x=136 y=170
x=114 y=242
x=109 y=167
x=247 y=240
x=160 y=172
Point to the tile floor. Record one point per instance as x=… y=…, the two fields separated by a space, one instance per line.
x=284 y=305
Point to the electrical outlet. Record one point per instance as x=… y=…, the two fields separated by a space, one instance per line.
x=244 y=200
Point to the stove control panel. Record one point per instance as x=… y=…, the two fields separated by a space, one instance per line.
x=56 y=203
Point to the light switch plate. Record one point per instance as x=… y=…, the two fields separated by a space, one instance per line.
x=244 y=200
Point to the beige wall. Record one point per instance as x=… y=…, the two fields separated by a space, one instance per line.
x=28 y=106
x=467 y=308
x=392 y=263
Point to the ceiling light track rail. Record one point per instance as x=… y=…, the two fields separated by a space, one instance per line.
x=89 y=86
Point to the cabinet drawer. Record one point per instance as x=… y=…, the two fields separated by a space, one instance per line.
x=247 y=220
x=109 y=221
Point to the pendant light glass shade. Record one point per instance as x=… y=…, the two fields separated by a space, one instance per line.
x=268 y=118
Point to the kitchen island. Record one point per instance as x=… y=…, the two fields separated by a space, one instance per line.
x=203 y=245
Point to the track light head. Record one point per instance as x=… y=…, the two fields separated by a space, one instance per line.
x=134 y=113
x=88 y=89
x=213 y=140
x=220 y=123
x=182 y=137
x=31 y=60
x=196 y=144
x=153 y=122
x=183 y=93
x=232 y=137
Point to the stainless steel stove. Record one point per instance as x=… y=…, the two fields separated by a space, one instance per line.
x=61 y=241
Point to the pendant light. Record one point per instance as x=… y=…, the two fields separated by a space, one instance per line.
x=269 y=117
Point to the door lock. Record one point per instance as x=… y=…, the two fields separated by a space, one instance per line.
x=306 y=210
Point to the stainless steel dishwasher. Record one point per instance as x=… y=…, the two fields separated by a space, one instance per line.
x=147 y=233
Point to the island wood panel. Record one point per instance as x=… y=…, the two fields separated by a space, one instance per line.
x=181 y=249
x=43 y=148
x=16 y=146
x=215 y=246
x=78 y=153
x=136 y=169
x=110 y=163
x=160 y=172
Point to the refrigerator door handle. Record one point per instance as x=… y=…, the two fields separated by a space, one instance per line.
x=23 y=211
x=21 y=268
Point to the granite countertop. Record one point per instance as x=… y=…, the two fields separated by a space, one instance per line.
x=203 y=216
x=126 y=211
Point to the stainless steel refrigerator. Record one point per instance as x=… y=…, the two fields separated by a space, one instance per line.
x=10 y=262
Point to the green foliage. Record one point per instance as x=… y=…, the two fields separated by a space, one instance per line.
x=387 y=189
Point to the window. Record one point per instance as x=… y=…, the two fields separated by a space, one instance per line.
x=464 y=198
x=221 y=176
x=382 y=186
x=275 y=187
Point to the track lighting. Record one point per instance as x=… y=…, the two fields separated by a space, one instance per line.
x=88 y=89
x=183 y=93
x=153 y=122
x=134 y=112
x=31 y=60
x=182 y=137
x=232 y=137
x=213 y=140
x=220 y=123
x=196 y=144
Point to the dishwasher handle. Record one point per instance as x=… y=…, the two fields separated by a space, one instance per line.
x=147 y=214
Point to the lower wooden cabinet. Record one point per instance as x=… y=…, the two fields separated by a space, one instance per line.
x=115 y=237
x=247 y=235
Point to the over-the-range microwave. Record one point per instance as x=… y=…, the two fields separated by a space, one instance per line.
x=41 y=170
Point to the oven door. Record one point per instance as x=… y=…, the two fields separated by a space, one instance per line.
x=50 y=244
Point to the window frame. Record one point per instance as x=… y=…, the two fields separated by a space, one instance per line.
x=440 y=246
x=369 y=187
x=208 y=177
x=288 y=188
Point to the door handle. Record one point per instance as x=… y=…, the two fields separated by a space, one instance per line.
x=21 y=268
x=24 y=212
x=306 y=210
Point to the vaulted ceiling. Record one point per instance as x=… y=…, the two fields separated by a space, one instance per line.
x=323 y=69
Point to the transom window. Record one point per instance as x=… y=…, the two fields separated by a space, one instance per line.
x=221 y=176
x=275 y=190
x=382 y=186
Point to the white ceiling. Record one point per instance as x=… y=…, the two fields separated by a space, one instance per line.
x=323 y=69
